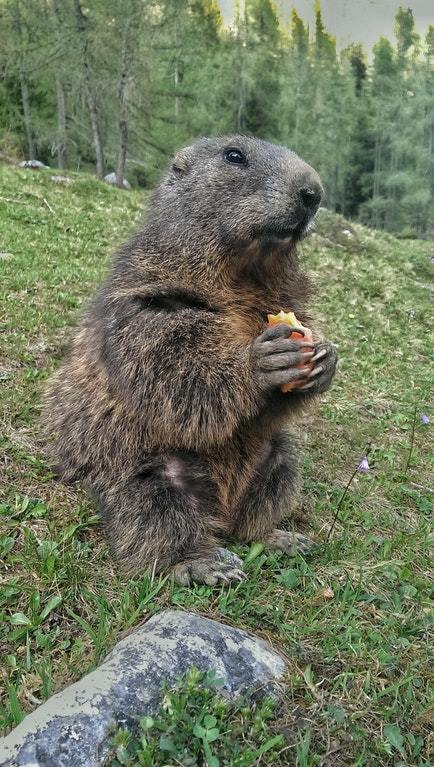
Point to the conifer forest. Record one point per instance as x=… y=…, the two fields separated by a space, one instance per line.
x=118 y=86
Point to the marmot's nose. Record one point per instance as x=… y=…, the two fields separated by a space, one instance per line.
x=311 y=196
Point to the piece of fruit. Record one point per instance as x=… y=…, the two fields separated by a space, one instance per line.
x=289 y=318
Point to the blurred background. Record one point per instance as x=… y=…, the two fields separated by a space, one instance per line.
x=117 y=87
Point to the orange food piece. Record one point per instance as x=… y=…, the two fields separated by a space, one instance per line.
x=289 y=318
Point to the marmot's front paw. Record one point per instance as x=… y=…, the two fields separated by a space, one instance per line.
x=290 y=543
x=277 y=357
x=321 y=375
x=209 y=571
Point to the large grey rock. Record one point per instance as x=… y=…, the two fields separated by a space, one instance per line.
x=32 y=164
x=73 y=728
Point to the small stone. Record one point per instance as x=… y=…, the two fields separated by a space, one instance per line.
x=224 y=555
x=74 y=727
x=111 y=179
x=4 y=256
x=61 y=180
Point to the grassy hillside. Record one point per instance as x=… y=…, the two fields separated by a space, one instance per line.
x=354 y=619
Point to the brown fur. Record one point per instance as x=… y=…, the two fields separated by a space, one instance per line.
x=158 y=408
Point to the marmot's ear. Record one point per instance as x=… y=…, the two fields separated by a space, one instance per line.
x=182 y=162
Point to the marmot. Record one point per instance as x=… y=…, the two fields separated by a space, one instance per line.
x=169 y=406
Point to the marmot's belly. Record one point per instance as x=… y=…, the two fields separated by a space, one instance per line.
x=225 y=474
x=234 y=467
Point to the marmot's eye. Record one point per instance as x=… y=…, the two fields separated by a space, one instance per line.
x=235 y=156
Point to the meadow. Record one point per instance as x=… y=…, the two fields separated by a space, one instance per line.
x=355 y=619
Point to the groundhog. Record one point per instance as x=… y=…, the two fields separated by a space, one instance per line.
x=169 y=407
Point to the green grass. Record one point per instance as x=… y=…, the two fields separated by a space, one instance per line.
x=359 y=685
x=195 y=726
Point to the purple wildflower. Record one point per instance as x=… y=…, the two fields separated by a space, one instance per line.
x=424 y=418
x=363 y=466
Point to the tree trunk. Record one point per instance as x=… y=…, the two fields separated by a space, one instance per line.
x=89 y=90
x=96 y=136
x=61 y=139
x=122 y=156
x=24 y=85
x=27 y=118
x=176 y=81
x=61 y=124
x=297 y=118
x=241 y=23
x=123 y=117
x=376 y=178
x=241 y=96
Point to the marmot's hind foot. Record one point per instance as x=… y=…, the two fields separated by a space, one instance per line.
x=207 y=570
x=289 y=542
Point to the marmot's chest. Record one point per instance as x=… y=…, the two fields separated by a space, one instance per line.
x=247 y=322
x=249 y=319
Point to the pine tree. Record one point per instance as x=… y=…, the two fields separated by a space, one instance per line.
x=86 y=37
x=57 y=24
x=184 y=63
x=297 y=87
x=325 y=44
x=360 y=156
x=18 y=58
x=333 y=114
x=405 y=32
x=263 y=39
x=377 y=211
x=123 y=85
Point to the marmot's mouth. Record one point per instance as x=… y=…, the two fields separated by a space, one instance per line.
x=281 y=232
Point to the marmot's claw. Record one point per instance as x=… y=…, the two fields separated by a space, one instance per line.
x=290 y=543
x=320 y=377
x=237 y=575
x=208 y=571
x=319 y=355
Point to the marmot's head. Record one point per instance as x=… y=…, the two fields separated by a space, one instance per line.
x=236 y=190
